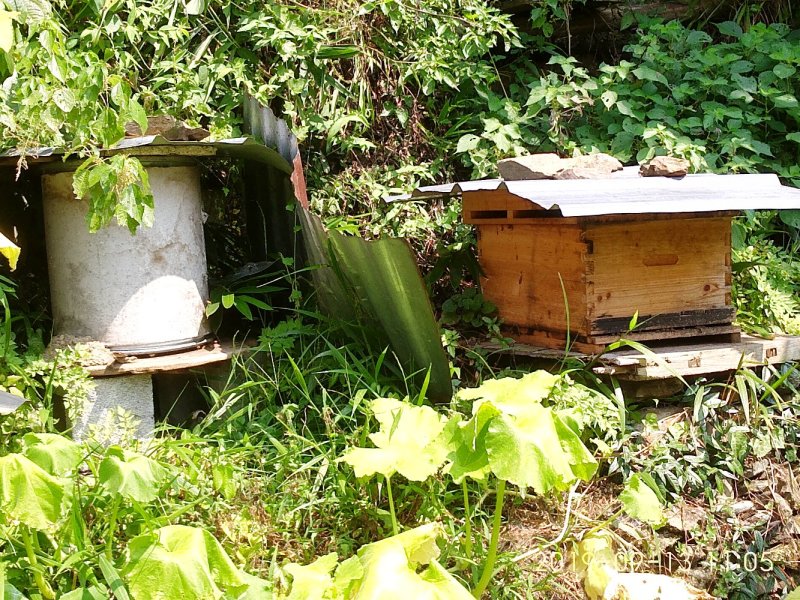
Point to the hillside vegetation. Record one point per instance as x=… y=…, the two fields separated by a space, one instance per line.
x=317 y=467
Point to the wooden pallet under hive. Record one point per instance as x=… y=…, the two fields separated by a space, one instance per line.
x=580 y=280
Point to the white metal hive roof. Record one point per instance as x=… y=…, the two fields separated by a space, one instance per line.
x=625 y=192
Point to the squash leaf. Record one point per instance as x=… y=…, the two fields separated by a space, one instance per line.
x=183 y=562
x=400 y=567
x=536 y=450
x=132 y=475
x=469 y=457
x=640 y=500
x=595 y=561
x=514 y=437
x=391 y=568
x=55 y=453
x=411 y=441
x=512 y=395
x=7 y=36
x=30 y=495
x=312 y=582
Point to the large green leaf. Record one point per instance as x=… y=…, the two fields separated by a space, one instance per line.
x=257 y=589
x=6 y=43
x=132 y=475
x=400 y=567
x=347 y=578
x=641 y=502
x=595 y=561
x=514 y=437
x=30 y=495
x=180 y=562
x=411 y=441
x=532 y=451
x=581 y=461
x=312 y=582
x=468 y=456
x=392 y=569
x=55 y=453
x=511 y=395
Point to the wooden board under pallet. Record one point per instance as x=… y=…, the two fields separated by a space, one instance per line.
x=684 y=360
x=700 y=359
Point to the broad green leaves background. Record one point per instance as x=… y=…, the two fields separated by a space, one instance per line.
x=132 y=476
x=400 y=567
x=409 y=442
x=180 y=562
x=510 y=435
x=30 y=495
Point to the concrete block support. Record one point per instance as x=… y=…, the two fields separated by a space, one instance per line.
x=118 y=410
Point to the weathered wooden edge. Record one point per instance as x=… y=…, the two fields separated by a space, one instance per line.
x=659 y=335
x=595 y=344
x=513 y=216
x=689 y=318
x=217 y=353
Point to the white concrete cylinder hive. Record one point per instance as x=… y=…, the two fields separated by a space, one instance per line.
x=122 y=289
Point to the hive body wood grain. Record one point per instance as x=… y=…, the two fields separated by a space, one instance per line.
x=556 y=278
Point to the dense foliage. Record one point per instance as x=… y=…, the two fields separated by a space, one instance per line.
x=315 y=449
x=388 y=93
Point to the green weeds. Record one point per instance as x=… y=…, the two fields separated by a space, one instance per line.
x=264 y=482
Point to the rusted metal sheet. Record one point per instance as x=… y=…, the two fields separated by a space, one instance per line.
x=270 y=193
x=262 y=124
x=628 y=193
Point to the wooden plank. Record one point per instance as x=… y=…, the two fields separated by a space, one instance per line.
x=690 y=318
x=781 y=349
x=216 y=353
x=669 y=334
x=553 y=339
x=658 y=267
x=629 y=218
x=476 y=204
x=701 y=359
x=557 y=339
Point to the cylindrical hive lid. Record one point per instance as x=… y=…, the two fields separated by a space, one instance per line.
x=129 y=290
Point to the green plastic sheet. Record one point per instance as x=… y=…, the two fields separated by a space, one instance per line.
x=377 y=284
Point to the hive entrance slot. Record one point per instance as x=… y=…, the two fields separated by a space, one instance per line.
x=479 y=215
x=528 y=214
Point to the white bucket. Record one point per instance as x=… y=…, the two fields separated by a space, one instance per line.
x=128 y=290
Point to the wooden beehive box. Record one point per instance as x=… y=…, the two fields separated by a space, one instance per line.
x=575 y=260
x=551 y=275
